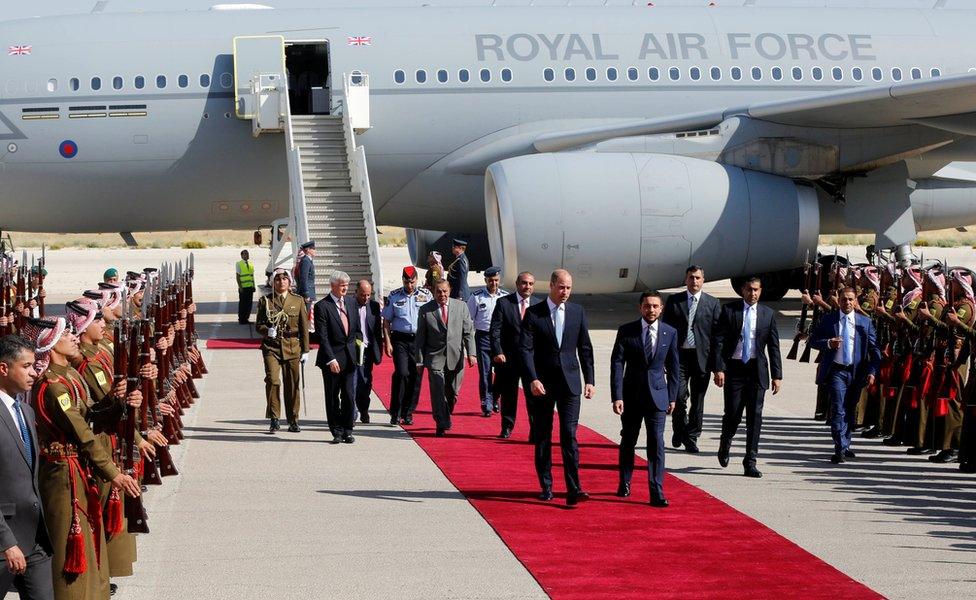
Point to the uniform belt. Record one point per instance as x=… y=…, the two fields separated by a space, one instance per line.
x=290 y=334
x=402 y=335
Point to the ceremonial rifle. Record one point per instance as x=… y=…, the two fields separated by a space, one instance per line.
x=21 y=293
x=40 y=281
x=199 y=368
x=135 y=513
x=814 y=291
x=151 y=475
x=5 y=292
x=801 y=325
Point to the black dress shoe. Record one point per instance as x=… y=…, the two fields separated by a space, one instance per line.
x=364 y=418
x=848 y=453
x=294 y=428
x=394 y=421
x=505 y=434
x=677 y=439
x=659 y=502
x=891 y=441
x=348 y=439
x=275 y=426
x=874 y=432
x=723 y=453
x=691 y=447
x=916 y=451
x=112 y=588
x=408 y=420
x=819 y=416
x=336 y=439
x=546 y=495
x=945 y=456
x=572 y=499
x=486 y=413
x=494 y=407
x=623 y=490
x=440 y=432
x=753 y=472
x=837 y=459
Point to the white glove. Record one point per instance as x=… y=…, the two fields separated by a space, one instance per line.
x=272 y=332
x=304 y=358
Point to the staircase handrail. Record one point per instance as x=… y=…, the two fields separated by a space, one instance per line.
x=296 y=183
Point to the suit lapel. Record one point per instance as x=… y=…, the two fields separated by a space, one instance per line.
x=14 y=430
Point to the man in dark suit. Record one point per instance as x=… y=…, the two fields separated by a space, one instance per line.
x=23 y=535
x=505 y=330
x=849 y=361
x=693 y=313
x=644 y=371
x=555 y=345
x=337 y=323
x=371 y=326
x=745 y=334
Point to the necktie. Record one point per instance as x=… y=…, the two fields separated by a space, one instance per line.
x=648 y=343
x=746 y=334
x=522 y=304
x=690 y=338
x=558 y=322
x=845 y=334
x=343 y=316
x=444 y=313
x=24 y=434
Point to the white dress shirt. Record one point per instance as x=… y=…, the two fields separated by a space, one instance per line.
x=362 y=322
x=849 y=342
x=748 y=312
x=9 y=403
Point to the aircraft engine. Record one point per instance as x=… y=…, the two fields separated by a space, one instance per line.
x=627 y=222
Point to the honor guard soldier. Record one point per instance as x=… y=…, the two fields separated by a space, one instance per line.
x=283 y=321
x=305 y=273
x=481 y=305
x=400 y=323
x=457 y=271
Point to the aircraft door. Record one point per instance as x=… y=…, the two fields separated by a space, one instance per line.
x=260 y=84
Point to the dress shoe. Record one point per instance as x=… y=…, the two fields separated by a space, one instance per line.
x=891 y=441
x=294 y=428
x=874 y=432
x=859 y=428
x=691 y=446
x=848 y=453
x=659 y=502
x=917 y=451
x=335 y=439
x=623 y=490
x=440 y=432
x=572 y=499
x=486 y=413
x=546 y=495
x=408 y=420
x=945 y=456
x=494 y=406
x=348 y=439
x=753 y=472
x=723 y=453
x=677 y=439
x=275 y=426
x=364 y=418
x=505 y=434
x=112 y=588
x=837 y=459
x=394 y=421
x=819 y=416
x=967 y=467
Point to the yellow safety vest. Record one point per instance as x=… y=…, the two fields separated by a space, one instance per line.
x=247 y=274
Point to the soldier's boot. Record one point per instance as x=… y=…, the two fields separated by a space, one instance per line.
x=274 y=425
x=945 y=456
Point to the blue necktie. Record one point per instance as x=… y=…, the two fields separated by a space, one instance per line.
x=24 y=434
x=557 y=323
x=845 y=335
x=746 y=335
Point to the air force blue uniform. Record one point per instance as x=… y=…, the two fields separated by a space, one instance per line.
x=401 y=313
x=481 y=305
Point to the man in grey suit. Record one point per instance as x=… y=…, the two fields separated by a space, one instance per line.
x=23 y=535
x=445 y=333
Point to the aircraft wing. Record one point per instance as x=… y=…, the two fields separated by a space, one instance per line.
x=947 y=103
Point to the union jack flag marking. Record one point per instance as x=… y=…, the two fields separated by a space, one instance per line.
x=360 y=40
x=18 y=50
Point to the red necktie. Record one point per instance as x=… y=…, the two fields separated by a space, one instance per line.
x=522 y=303
x=444 y=313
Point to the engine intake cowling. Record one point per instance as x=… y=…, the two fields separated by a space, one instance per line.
x=623 y=222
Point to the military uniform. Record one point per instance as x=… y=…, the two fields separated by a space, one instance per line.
x=481 y=305
x=967 y=438
x=401 y=313
x=866 y=411
x=287 y=313
x=948 y=387
x=71 y=456
x=457 y=276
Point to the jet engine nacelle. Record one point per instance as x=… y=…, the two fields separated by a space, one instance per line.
x=626 y=222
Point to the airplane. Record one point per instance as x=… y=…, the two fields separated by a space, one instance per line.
x=622 y=143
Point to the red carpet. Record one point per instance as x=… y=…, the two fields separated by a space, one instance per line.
x=612 y=547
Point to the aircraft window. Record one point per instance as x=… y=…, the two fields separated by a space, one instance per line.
x=653 y=74
x=756 y=74
x=611 y=74
x=117 y=83
x=735 y=73
x=674 y=73
x=876 y=74
x=716 y=73
x=204 y=80
x=226 y=80
x=797 y=73
x=896 y=74
x=857 y=74
x=52 y=85
x=74 y=84
x=633 y=74
x=837 y=73
x=421 y=76
x=936 y=72
x=695 y=73
x=506 y=75
x=160 y=81
x=442 y=75
x=777 y=73
x=916 y=73
x=548 y=75
x=817 y=73
x=464 y=76
x=570 y=74
x=139 y=82
x=399 y=76
x=96 y=83
x=590 y=74
x=484 y=75
x=183 y=81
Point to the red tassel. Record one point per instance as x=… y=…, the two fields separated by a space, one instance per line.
x=113 y=514
x=75 y=562
x=941 y=407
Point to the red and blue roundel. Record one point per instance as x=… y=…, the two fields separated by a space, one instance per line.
x=68 y=149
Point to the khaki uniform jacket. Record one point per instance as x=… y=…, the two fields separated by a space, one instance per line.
x=292 y=339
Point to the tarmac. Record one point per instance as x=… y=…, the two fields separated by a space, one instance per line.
x=289 y=516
